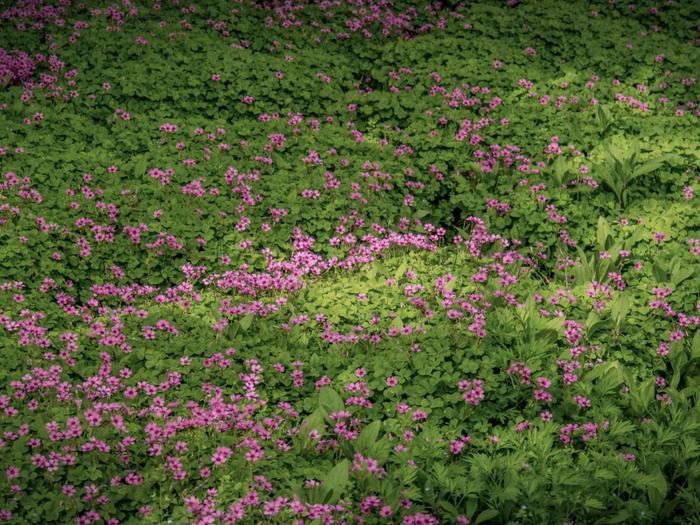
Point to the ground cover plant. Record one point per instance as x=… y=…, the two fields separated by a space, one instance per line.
x=349 y=262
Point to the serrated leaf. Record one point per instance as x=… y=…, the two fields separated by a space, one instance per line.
x=620 y=428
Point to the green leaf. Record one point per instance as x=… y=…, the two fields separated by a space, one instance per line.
x=621 y=517
x=441 y=474
x=620 y=428
x=396 y=323
x=559 y=169
x=449 y=507
x=681 y=274
x=368 y=436
x=400 y=270
x=315 y=420
x=654 y=164
x=695 y=347
x=659 y=273
x=619 y=308
x=602 y=232
x=245 y=322
x=486 y=515
x=140 y=166
x=335 y=481
x=657 y=489
x=594 y=504
x=330 y=400
x=643 y=396
x=611 y=379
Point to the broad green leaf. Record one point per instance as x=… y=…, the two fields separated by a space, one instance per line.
x=400 y=270
x=368 y=436
x=594 y=504
x=655 y=163
x=681 y=274
x=335 y=481
x=245 y=322
x=330 y=400
x=695 y=346
x=486 y=515
x=657 y=489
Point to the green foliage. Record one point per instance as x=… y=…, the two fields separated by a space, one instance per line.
x=477 y=298
x=621 y=165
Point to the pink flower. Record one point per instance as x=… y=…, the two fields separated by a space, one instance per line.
x=523 y=425
x=402 y=408
x=221 y=455
x=420 y=415
x=582 y=401
x=473 y=391
x=456 y=447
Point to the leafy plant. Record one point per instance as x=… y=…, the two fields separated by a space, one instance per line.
x=621 y=165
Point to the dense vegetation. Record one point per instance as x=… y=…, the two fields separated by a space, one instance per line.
x=349 y=261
